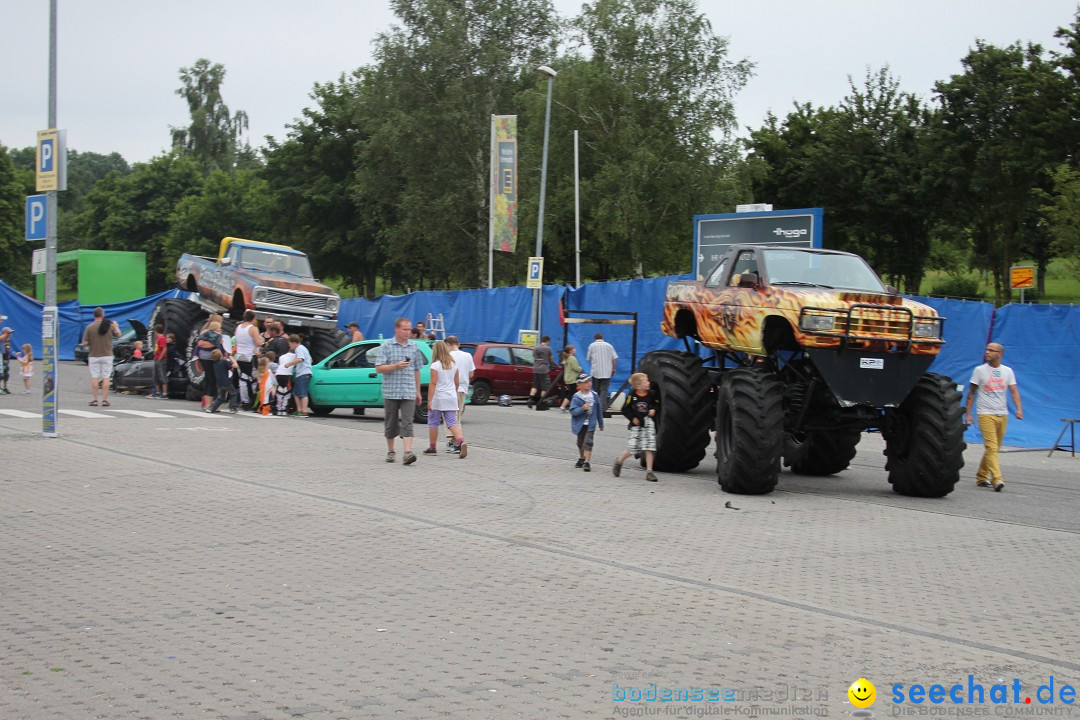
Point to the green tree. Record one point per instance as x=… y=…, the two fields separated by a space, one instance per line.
x=227 y=204
x=213 y=136
x=134 y=212
x=15 y=251
x=84 y=170
x=423 y=163
x=1062 y=214
x=864 y=161
x=312 y=177
x=998 y=133
x=650 y=87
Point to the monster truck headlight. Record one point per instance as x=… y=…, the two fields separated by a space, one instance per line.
x=926 y=329
x=332 y=305
x=817 y=322
x=259 y=295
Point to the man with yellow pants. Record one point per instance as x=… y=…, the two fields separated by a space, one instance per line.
x=990 y=381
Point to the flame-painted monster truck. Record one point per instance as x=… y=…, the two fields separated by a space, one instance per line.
x=809 y=349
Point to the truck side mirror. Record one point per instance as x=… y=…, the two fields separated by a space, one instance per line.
x=748 y=279
x=891 y=290
x=226 y=261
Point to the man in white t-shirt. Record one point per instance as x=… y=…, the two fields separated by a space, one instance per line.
x=989 y=383
x=603 y=361
x=466 y=370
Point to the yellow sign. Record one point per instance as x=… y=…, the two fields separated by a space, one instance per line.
x=48 y=160
x=1022 y=277
x=535 y=278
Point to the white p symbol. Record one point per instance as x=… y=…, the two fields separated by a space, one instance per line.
x=46 y=156
x=37 y=214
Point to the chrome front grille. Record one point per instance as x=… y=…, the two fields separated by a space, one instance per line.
x=299 y=300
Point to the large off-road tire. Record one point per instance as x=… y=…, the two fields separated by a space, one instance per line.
x=682 y=423
x=827 y=452
x=323 y=343
x=195 y=371
x=749 y=431
x=178 y=317
x=924 y=439
x=193 y=392
x=481 y=392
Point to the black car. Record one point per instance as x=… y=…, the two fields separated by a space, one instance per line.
x=138 y=376
x=123 y=346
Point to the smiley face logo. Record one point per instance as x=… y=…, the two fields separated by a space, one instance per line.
x=862 y=693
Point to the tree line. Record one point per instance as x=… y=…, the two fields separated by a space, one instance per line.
x=383 y=179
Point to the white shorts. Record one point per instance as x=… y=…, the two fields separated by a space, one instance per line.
x=100 y=367
x=642 y=437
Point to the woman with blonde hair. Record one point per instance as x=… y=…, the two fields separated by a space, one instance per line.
x=443 y=400
x=208 y=341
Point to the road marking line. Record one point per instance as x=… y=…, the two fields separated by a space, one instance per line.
x=20 y=414
x=86 y=414
x=141 y=413
x=195 y=413
x=219 y=428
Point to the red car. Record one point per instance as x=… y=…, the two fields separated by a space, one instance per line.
x=502 y=369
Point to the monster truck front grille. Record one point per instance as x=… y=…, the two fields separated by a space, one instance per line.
x=869 y=322
x=866 y=323
x=300 y=301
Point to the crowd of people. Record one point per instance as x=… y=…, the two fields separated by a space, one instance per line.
x=269 y=372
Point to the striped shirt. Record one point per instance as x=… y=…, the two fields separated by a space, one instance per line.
x=601 y=357
x=400 y=384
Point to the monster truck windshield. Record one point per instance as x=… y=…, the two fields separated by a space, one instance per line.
x=841 y=272
x=273 y=261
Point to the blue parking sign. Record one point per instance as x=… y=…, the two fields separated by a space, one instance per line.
x=535 y=277
x=36 y=221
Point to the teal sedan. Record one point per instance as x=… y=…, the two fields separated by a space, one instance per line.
x=347 y=379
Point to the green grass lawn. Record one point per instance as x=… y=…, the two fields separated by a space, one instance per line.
x=1062 y=284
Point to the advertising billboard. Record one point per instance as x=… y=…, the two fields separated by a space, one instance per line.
x=714 y=234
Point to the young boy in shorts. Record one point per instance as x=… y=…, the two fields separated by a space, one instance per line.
x=586 y=414
x=640 y=409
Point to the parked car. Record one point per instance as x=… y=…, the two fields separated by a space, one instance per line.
x=138 y=376
x=122 y=346
x=347 y=379
x=502 y=369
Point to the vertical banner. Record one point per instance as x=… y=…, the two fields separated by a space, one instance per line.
x=49 y=333
x=504 y=219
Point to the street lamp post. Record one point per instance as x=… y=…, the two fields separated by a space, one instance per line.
x=538 y=293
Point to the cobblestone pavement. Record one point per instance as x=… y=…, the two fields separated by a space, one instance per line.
x=235 y=567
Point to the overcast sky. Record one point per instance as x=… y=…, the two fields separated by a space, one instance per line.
x=119 y=59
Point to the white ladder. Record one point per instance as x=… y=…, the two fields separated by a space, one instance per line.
x=435 y=326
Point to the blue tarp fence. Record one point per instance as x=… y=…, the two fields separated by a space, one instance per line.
x=24 y=317
x=1042 y=346
x=1042 y=341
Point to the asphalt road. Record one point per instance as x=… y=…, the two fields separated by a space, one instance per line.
x=162 y=563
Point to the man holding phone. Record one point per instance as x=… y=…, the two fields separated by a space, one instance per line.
x=399 y=361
